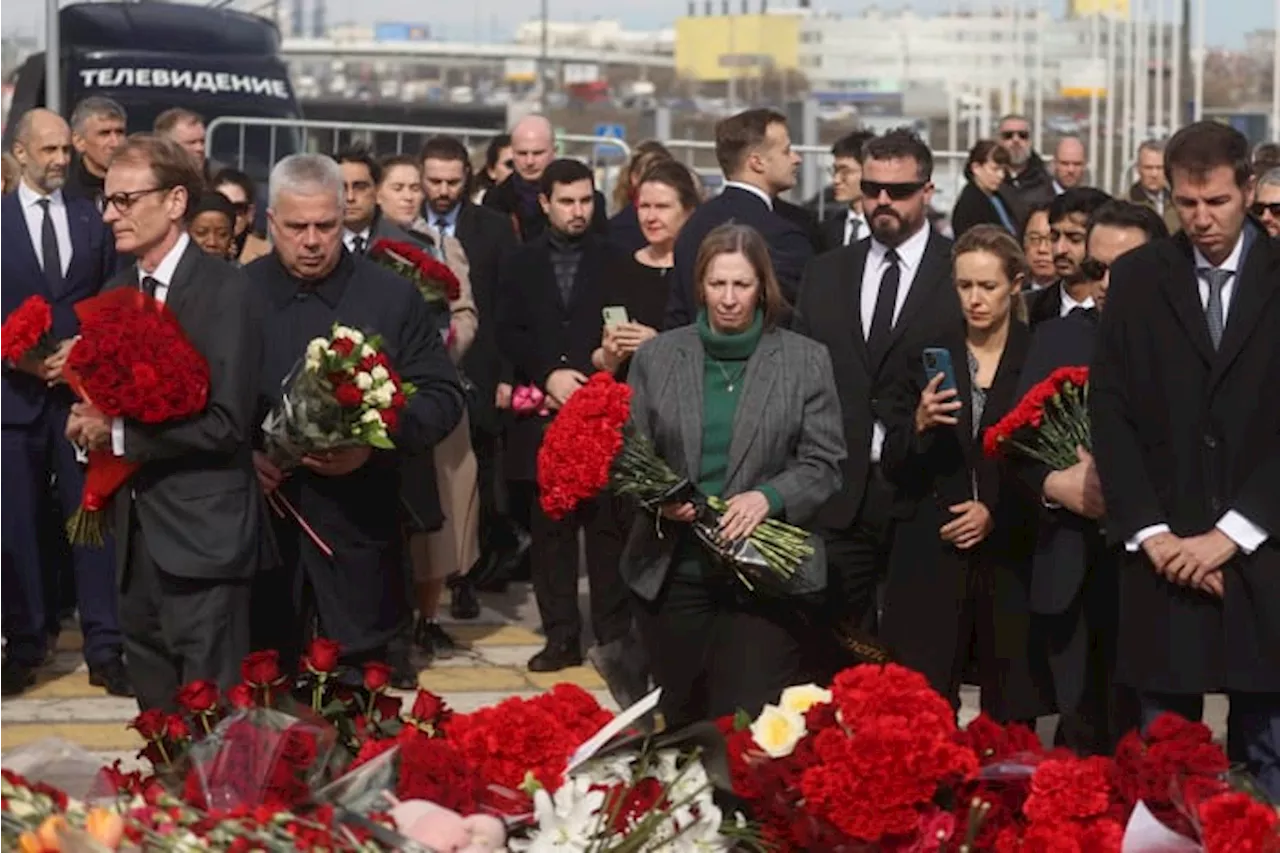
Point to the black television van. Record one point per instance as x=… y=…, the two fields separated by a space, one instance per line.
x=153 y=56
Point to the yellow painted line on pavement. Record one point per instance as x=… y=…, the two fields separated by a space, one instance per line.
x=96 y=737
x=71 y=685
x=583 y=676
x=472 y=679
x=494 y=635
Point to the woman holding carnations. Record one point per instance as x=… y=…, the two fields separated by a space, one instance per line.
x=748 y=412
x=956 y=600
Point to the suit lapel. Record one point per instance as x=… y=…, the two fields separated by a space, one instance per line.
x=933 y=266
x=859 y=254
x=18 y=239
x=1255 y=287
x=688 y=400
x=964 y=392
x=78 y=224
x=181 y=287
x=1183 y=293
x=757 y=388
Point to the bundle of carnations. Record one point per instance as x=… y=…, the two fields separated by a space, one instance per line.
x=1049 y=422
x=28 y=331
x=133 y=361
x=433 y=278
x=590 y=446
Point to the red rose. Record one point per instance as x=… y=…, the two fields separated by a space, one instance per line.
x=348 y=395
x=390 y=419
x=387 y=706
x=241 y=696
x=175 y=728
x=322 y=655
x=429 y=708
x=343 y=346
x=198 y=697
x=260 y=669
x=398 y=400
x=377 y=676
x=150 y=724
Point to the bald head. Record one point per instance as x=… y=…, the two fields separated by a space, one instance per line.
x=533 y=146
x=42 y=146
x=1069 y=162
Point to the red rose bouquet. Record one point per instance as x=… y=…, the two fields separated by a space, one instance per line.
x=132 y=360
x=590 y=446
x=433 y=278
x=28 y=330
x=1049 y=423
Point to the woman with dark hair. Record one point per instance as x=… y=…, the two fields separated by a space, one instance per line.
x=239 y=189
x=211 y=222
x=747 y=411
x=959 y=568
x=985 y=200
x=497 y=166
x=624 y=225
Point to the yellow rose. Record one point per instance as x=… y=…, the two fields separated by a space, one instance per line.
x=777 y=731
x=801 y=697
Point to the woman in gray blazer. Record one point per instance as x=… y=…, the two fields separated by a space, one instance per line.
x=747 y=411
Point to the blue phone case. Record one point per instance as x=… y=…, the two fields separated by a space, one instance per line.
x=938 y=360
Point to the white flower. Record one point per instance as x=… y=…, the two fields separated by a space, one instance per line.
x=343 y=332
x=380 y=374
x=371 y=416
x=566 y=820
x=364 y=381
x=316 y=348
x=777 y=731
x=801 y=697
x=366 y=351
x=385 y=394
x=357 y=336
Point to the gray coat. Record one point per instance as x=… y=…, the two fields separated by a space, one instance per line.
x=787 y=433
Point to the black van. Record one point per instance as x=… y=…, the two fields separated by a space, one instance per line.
x=153 y=56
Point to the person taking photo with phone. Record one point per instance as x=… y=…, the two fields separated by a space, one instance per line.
x=956 y=599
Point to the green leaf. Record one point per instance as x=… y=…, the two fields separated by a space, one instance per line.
x=741 y=720
x=381 y=442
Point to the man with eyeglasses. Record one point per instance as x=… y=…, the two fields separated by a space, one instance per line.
x=55 y=247
x=1037 y=245
x=1027 y=176
x=1074 y=584
x=1266 y=202
x=847 y=223
x=1068 y=225
x=870 y=302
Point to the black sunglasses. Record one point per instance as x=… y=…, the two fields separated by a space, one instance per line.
x=1094 y=269
x=1010 y=134
x=1259 y=207
x=897 y=192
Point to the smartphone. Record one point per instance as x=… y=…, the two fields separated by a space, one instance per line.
x=615 y=315
x=938 y=360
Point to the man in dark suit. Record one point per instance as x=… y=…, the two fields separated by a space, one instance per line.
x=754 y=152
x=1068 y=224
x=549 y=307
x=1186 y=427
x=189 y=522
x=868 y=303
x=847 y=224
x=1073 y=572
x=55 y=248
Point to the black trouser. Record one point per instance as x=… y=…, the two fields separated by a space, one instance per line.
x=555 y=572
x=178 y=630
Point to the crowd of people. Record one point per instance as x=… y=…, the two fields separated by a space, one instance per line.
x=774 y=360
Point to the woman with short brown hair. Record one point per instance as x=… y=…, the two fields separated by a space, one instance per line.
x=986 y=199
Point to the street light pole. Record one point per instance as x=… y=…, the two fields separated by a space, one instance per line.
x=1275 y=80
x=52 y=51
x=1113 y=93
x=1197 y=57
x=543 y=64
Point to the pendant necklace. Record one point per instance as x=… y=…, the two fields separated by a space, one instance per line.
x=730 y=381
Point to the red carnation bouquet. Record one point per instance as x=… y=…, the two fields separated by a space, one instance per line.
x=1049 y=422
x=591 y=446
x=28 y=330
x=133 y=361
x=433 y=278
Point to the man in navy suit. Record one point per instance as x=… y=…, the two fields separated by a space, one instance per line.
x=55 y=247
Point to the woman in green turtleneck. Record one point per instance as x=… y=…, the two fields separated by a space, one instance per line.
x=749 y=412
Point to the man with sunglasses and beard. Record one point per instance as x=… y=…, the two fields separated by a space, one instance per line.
x=1028 y=176
x=901 y=295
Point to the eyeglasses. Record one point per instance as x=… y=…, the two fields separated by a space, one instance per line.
x=1094 y=269
x=897 y=192
x=1006 y=135
x=1260 y=207
x=124 y=202
x=1037 y=240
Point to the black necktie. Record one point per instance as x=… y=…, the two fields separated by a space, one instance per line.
x=149 y=285
x=357 y=245
x=886 y=300
x=49 y=250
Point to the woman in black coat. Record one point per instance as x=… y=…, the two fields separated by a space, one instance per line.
x=957 y=592
x=985 y=199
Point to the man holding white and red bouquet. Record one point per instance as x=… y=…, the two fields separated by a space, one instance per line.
x=1073 y=571
x=188 y=523
x=338 y=516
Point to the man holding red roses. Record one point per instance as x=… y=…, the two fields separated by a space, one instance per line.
x=189 y=522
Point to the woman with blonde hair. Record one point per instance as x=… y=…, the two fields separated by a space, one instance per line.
x=624 y=226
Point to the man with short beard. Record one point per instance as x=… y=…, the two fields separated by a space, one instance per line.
x=870 y=302
x=1068 y=225
x=1028 y=177
x=97 y=130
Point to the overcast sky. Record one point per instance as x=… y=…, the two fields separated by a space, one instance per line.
x=485 y=19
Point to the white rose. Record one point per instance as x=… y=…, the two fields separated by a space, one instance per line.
x=313 y=362
x=380 y=374
x=366 y=351
x=343 y=332
x=316 y=348
x=357 y=336
x=371 y=416
x=777 y=731
x=801 y=697
x=364 y=381
x=385 y=395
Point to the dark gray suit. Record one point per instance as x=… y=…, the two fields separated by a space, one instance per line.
x=190 y=522
x=713 y=650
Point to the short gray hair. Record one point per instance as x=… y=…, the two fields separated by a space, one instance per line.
x=1156 y=145
x=97 y=106
x=306 y=174
x=1270 y=178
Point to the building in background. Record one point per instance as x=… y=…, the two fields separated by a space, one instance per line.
x=598 y=35
x=728 y=48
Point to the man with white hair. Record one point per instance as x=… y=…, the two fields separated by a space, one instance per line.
x=533 y=147
x=349 y=496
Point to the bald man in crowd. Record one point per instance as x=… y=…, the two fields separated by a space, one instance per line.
x=533 y=147
x=1069 y=163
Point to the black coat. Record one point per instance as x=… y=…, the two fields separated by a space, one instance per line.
x=625 y=232
x=487 y=238
x=1043 y=304
x=932 y=586
x=828 y=310
x=1182 y=434
x=538 y=333
x=790 y=247
x=974 y=207
x=804 y=219
x=1034 y=186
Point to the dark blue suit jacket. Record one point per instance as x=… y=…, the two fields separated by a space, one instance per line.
x=93 y=261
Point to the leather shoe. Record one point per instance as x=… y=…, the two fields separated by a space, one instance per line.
x=463 y=603
x=15 y=678
x=110 y=675
x=555 y=658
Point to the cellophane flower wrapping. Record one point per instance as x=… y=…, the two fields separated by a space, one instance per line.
x=1048 y=423
x=259 y=757
x=342 y=392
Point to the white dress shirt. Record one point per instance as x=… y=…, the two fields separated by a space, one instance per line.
x=163 y=274
x=349 y=238
x=32 y=210
x=855 y=227
x=1240 y=530
x=1066 y=304
x=910 y=255
x=764 y=196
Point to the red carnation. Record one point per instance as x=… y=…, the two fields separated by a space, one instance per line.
x=398 y=399
x=198 y=697
x=580 y=445
x=322 y=655
x=260 y=669
x=150 y=724
x=390 y=419
x=377 y=676
x=343 y=347
x=1236 y=823
x=348 y=395
x=1069 y=789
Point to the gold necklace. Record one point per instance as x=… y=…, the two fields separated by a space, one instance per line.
x=729 y=381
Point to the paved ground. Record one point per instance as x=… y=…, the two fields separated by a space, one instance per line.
x=489 y=668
